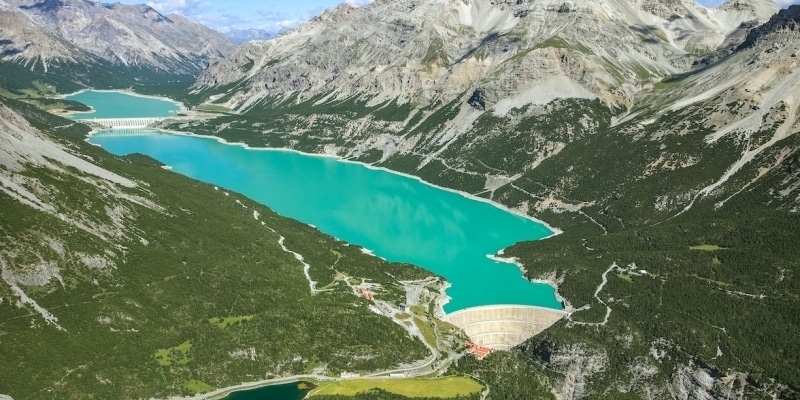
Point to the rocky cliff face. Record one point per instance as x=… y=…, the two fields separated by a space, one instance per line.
x=134 y=36
x=693 y=382
x=781 y=28
x=31 y=41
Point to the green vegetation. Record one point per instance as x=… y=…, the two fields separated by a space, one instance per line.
x=196 y=386
x=214 y=108
x=508 y=375
x=688 y=304
x=178 y=355
x=17 y=80
x=707 y=247
x=625 y=277
x=497 y=146
x=436 y=53
x=57 y=104
x=443 y=388
x=427 y=330
x=642 y=73
x=246 y=67
x=445 y=326
x=379 y=394
x=558 y=42
x=288 y=116
x=228 y=321
x=555 y=42
x=173 y=90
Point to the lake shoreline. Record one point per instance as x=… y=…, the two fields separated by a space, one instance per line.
x=550 y=281
x=67 y=114
x=182 y=108
x=547 y=230
x=554 y=230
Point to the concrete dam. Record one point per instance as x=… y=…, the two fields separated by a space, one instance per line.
x=501 y=327
x=116 y=123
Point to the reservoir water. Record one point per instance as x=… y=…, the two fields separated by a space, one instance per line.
x=288 y=391
x=397 y=217
x=112 y=104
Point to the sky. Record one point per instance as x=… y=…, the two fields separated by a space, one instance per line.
x=273 y=15
x=225 y=15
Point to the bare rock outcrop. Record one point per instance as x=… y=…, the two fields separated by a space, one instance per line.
x=691 y=382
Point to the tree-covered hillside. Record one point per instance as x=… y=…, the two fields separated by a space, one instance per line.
x=172 y=286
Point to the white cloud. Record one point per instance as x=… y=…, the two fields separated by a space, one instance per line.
x=277 y=21
x=224 y=18
x=187 y=8
x=222 y=22
x=358 y=3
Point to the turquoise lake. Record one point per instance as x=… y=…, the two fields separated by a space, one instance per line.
x=109 y=104
x=289 y=391
x=397 y=217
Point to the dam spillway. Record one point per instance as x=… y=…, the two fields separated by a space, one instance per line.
x=501 y=327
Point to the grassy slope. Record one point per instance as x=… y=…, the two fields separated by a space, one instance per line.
x=447 y=387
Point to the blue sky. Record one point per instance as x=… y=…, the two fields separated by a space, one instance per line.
x=224 y=15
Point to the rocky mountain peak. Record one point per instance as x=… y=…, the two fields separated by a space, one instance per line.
x=154 y=15
x=128 y=35
x=745 y=5
x=668 y=9
x=785 y=23
x=31 y=41
x=335 y=14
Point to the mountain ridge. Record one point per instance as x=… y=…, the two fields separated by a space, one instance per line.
x=492 y=32
x=134 y=37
